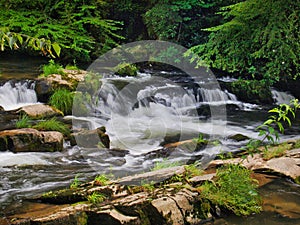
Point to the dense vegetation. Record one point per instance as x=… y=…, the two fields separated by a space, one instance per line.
x=252 y=38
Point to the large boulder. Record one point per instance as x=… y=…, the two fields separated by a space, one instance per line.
x=46 y=85
x=31 y=140
x=91 y=138
x=39 y=111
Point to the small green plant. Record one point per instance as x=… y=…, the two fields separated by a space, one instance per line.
x=75 y=183
x=96 y=198
x=275 y=151
x=52 y=125
x=233 y=189
x=164 y=164
x=52 y=68
x=101 y=180
x=192 y=170
x=126 y=69
x=281 y=115
x=146 y=186
x=23 y=122
x=62 y=99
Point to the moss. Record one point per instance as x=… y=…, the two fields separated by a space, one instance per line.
x=82 y=218
x=126 y=69
x=275 y=151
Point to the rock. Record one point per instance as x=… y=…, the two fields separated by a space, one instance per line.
x=91 y=138
x=153 y=176
x=169 y=211
x=287 y=166
x=31 y=140
x=39 y=111
x=46 y=85
x=238 y=137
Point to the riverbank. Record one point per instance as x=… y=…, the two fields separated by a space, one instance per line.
x=167 y=196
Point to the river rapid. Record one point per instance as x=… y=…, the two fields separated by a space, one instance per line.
x=172 y=106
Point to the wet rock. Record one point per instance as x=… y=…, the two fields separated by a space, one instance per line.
x=31 y=140
x=39 y=111
x=238 y=137
x=91 y=138
x=153 y=176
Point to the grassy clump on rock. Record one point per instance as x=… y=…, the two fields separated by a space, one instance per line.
x=62 y=99
x=233 y=189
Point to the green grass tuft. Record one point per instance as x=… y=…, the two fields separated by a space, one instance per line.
x=23 y=122
x=52 y=125
x=62 y=99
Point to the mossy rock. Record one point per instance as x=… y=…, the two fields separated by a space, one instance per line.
x=126 y=69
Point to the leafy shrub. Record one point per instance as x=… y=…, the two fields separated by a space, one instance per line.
x=52 y=125
x=234 y=190
x=62 y=99
x=52 y=68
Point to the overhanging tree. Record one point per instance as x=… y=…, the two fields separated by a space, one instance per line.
x=259 y=38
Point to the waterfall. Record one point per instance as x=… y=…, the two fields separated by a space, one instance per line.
x=15 y=95
x=216 y=95
x=281 y=97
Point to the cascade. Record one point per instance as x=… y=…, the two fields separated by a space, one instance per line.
x=15 y=95
x=281 y=97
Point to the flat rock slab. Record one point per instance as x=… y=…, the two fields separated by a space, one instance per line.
x=288 y=165
x=153 y=176
x=31 y=140
x=39 y=111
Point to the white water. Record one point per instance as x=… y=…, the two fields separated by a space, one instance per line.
x=140 y=116
x=281 y=97
x=13 y=96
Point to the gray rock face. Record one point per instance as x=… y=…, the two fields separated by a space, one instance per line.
x=91 y=138
x=30 y=140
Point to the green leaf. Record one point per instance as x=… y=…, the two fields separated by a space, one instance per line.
x=56 y=48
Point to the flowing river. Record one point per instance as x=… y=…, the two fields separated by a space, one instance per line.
x=173 y=106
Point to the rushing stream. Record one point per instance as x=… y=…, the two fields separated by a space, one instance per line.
x=137 y=130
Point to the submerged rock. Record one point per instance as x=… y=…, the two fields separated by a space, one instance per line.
x=31 y=140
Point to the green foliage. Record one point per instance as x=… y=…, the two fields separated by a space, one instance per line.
x=275 y=151
x=200 y=140
x=15 y=40
x=62 y=99
x=259 y=38
x=192 y=170
x=52 y=68
x=52 y=125
x=126 y=69
x=75 y=183
x=96 y=198
x=181 y=21
x=79 y=27
x=234 y=190
x=23 y=122
x=281 y=115
x=101 y=180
